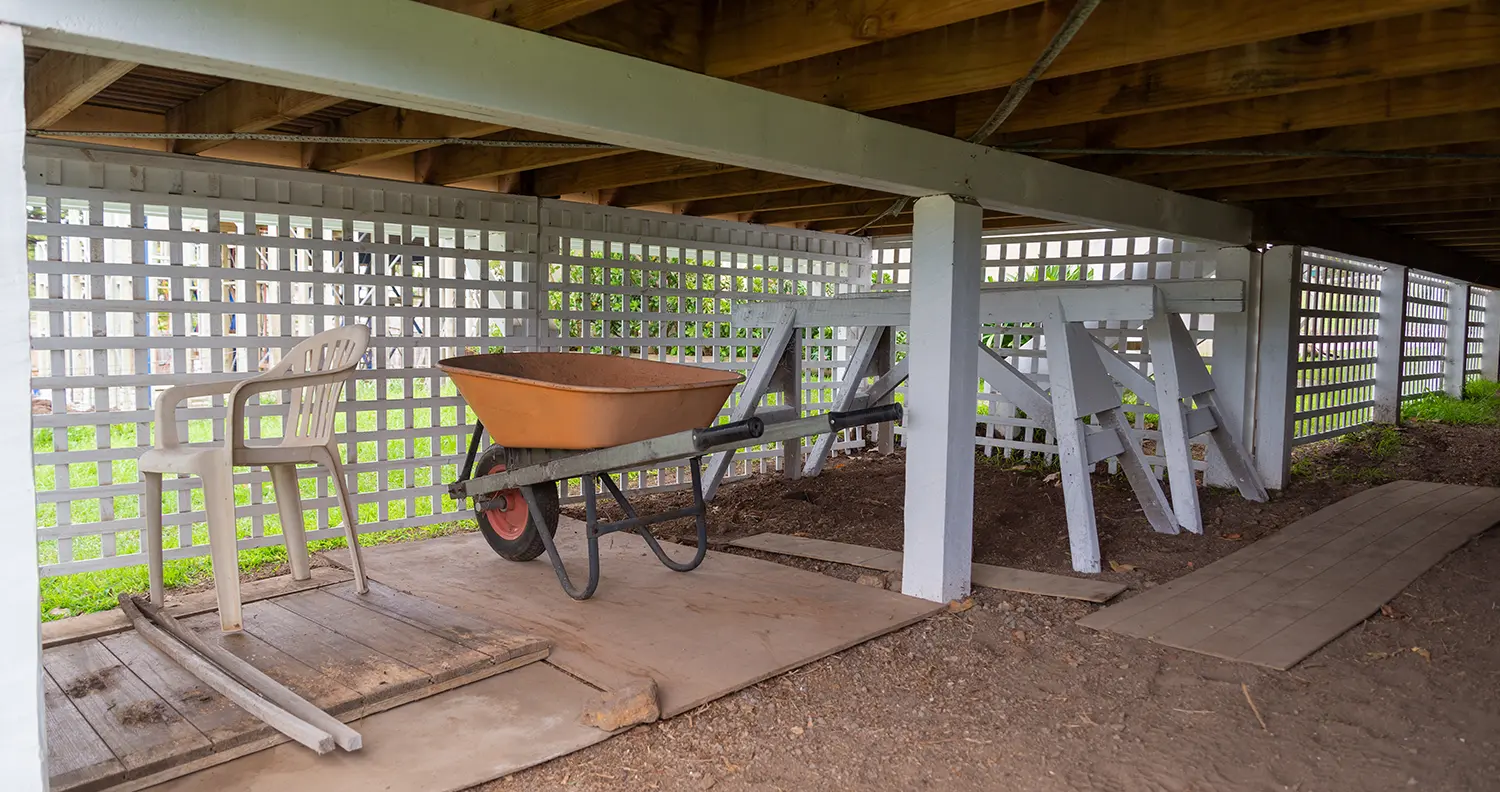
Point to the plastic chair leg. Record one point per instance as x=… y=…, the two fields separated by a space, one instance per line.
x=351 y=519
x=218 y=497
x=151 y=536
x=289 y=504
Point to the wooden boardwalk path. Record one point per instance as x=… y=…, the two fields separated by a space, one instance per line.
x=1284 y=597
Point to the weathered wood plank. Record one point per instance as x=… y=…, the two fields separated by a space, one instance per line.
x=987 y=575
x=223 y=723
x=461 y=627
x=143 y=731
x=95 y=625
x=436 y=656
x=320 y=689
x=77 y=758
x=355 y=665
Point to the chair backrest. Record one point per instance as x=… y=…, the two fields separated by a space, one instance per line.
x=310 y=413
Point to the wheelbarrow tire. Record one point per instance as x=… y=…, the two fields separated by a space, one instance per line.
x=502 y=529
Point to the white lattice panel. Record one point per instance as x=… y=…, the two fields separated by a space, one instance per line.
x=1424 y=339
x=1068 y=255
x=151 y=271
x=1338 y=316
x=1474 y=351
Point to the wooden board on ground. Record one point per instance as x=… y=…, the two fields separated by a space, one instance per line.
x=452 y=741
x=135 y=718
x=987 y=575
x=96 y=625
x=1281 y=599
x=730 y=623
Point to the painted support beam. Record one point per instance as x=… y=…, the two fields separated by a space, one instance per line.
x=414 y=56
x=1235 y=340
x=871 y=339
x=1276 y=364
x=946 y=261
x=763 y=378
x=23 y=748
x=1004 y=302
x=1389 y=330
x=1456 y=348
x=1489 y=361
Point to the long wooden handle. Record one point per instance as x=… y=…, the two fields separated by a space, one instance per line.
x=253 y=677
x=211 y=675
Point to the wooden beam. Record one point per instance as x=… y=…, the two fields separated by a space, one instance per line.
x=996 y=50
x=790 y=199
x=391 y=122
x=625 y=169
x=1429 y=176
x=1444 y=222
x=746 y=35
x=902 y=224
x=1411 y=133
x=528 y=14
x=700 y=188
x=238 y=106
x=669 y=32
x=1288 y=223
x=1410 y=97
x=61 y=82
x=1442 y=40
x=1309 y=168
x=439 y=62
x=829 y=212
x=1414 y=201
x=453 y=164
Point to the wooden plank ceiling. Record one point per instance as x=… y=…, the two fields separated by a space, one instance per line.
x=1376 y=118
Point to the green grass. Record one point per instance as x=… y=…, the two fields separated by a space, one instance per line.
x=1479 y=406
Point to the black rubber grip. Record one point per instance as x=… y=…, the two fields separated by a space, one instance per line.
x=869 y=415
x=736 y=432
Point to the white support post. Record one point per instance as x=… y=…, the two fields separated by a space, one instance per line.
x=1276 y=363
x=1456 y=348
x=23 y=748
x=941 y=398
x=1489 y=365
x=788 y=381
x=1235 y=356
x=1176 y=381
x=1390 y=330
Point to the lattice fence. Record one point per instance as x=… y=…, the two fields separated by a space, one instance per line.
x=1067 y=255
x=1338 y=334
x=1479 y=301
x=151 y=271
x=1424 y=338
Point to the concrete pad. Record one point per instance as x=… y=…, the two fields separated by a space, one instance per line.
x=448 y=742
x=730 y=623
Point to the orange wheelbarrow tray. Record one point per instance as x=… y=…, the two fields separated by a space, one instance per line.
x=559 y=416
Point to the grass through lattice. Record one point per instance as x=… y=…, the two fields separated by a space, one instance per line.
x=86 y=592
x=1479 y=405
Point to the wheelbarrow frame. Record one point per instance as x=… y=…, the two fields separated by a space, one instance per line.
x=528 y=468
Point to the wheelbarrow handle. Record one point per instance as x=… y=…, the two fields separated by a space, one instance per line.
x=736 y=432
x=869 y=415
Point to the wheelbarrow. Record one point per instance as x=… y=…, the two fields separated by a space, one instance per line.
x=553 y=416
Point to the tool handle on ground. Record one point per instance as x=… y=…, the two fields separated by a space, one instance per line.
x=869 y=415
x=736 y=432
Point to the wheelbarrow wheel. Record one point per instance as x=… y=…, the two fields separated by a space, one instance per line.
x=508 y=525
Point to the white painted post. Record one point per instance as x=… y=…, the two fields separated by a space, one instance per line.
x=23 y=748
x=1276 y=363
x=1489 y=366
x=1234 y=357
x=1456 y=348
x=1390 y=329
x=941 y=398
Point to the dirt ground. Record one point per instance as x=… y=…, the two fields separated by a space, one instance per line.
x=1011 y=694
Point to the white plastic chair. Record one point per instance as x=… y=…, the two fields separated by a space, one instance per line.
x=315 y=372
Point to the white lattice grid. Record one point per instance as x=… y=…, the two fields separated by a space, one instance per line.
x=662 y=287
x=236 y=262
x=1073 y=254
x=1338 y=316
x=1474 y=351
x=1424 y=337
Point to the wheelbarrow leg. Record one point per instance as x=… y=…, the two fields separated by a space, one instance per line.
x=551 y=544
x=700 y=512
